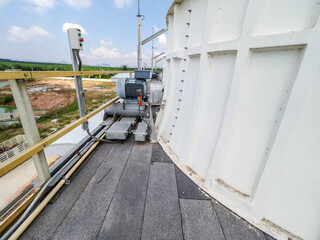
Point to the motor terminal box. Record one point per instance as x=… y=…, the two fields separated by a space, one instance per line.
x=75 y=38
x=140 y=74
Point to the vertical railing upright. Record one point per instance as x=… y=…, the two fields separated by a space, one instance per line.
x=23 y=104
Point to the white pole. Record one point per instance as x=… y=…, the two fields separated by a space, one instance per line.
x=156 y=61
x=140 y=45
x=139 y=39
x=152 y=60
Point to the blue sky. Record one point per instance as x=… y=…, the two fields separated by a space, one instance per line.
x=33 y=29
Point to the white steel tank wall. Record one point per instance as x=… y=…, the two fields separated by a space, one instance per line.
x=242 y=115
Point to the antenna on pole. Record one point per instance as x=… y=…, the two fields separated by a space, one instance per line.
x=139 y=52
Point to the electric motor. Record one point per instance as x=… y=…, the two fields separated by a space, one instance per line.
x=128 y=87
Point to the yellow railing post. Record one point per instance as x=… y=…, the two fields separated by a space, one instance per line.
x=23 y=104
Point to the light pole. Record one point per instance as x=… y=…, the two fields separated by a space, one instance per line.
x=152 y=61
x=139 y=57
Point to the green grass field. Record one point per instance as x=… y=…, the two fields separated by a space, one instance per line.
x=36 y=66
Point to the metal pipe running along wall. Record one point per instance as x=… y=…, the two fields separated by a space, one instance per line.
x=242 y=92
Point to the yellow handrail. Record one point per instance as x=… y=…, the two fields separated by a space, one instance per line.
x=5 y=75
x=53 y=192
x=15 y=161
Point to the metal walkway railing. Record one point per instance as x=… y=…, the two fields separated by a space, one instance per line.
x=17 y=82
x=22 y=100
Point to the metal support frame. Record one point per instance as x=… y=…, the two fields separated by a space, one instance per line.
x=152 y=57
x=160 y=54
x=153 y=133
x=159 y=61
x=23 y=104
x=157 y=34
x=155 y=58
x=151 y=38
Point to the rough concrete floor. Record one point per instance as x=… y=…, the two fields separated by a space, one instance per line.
x=134 y=191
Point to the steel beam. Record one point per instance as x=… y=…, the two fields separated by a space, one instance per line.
x=154 y=36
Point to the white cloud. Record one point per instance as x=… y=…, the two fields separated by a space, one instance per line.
x=111 y=54
x=106 y=42
x=161 y=40
x=122 y=3
x=18 y=34
x=3 y=2
x=130 y=55
x=66 y=26
x=104 y=53
x=133 y=56
x=79 y=4
x=41 y=6
x=156 y=29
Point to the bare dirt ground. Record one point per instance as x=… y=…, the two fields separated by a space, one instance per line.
x=62 y=94
x=59 y=100
x=87 y=85
x=50 y=100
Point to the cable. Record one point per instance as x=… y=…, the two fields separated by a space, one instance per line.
x=148 y=124
x=98 y=139
x=46 y=200
x=142 y=117
x=79 y=59
x=86 y=124
x=35 y=200
x=44 y=188
x=139 y=102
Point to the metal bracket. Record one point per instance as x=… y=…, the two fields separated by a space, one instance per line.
x=67 y=181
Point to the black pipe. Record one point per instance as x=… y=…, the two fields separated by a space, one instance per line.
x=79 y=59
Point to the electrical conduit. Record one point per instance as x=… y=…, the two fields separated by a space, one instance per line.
x=45 y=201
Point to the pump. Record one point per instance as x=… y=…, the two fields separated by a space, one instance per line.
x=141 y=98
